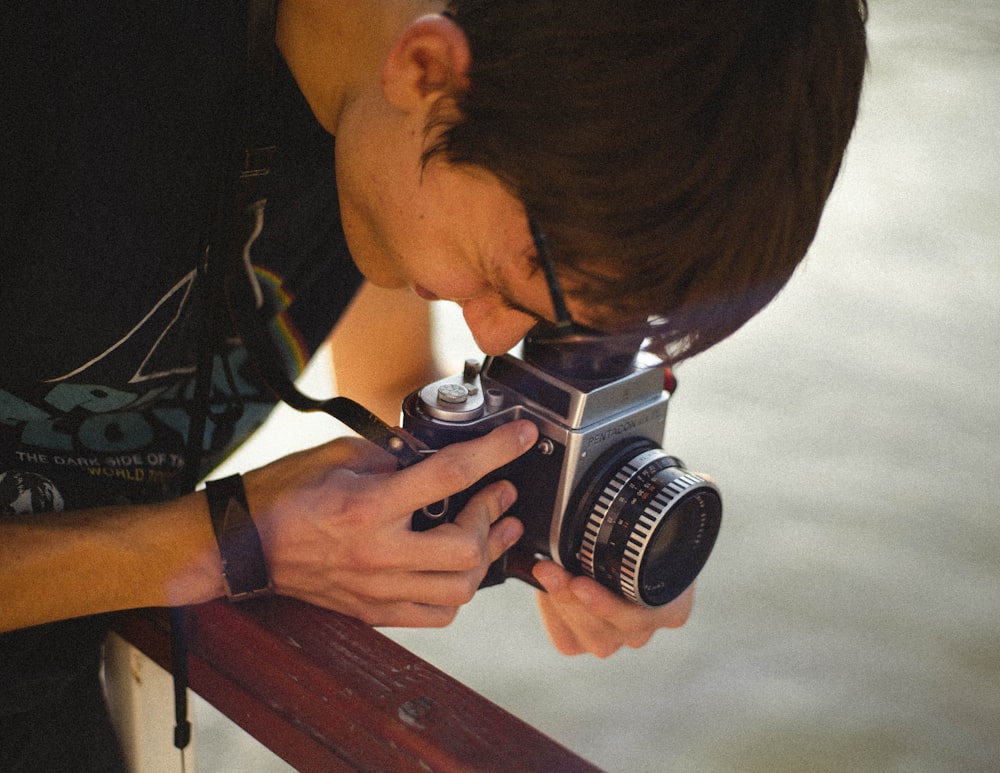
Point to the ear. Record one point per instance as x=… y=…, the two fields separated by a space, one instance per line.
x=430 y=59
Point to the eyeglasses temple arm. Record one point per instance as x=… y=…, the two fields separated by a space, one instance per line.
x=563 y=319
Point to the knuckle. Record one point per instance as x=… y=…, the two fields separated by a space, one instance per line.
x=467 y=588
x=468 y=553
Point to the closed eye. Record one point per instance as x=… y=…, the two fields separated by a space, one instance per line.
x=513 y=305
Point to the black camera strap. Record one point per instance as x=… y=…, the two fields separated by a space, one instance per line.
x=243 y=125
x=264 y=355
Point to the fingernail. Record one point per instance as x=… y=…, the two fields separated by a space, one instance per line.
x=508 y=495
x=526 y=434
x=511 y=531
x=548 y=575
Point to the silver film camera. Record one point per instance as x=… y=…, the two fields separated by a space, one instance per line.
x=596 y=494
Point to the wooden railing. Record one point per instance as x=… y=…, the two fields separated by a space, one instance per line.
x=328 y=693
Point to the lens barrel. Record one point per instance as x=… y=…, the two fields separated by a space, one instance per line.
x=643 y=525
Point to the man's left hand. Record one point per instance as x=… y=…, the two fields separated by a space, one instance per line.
x=581 y=615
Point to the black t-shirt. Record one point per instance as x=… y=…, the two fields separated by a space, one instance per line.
x=113 y=137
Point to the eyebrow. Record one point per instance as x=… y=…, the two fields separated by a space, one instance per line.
x=502 y=288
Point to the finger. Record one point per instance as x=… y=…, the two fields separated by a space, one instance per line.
x=456 y=467
x=572 y=627
x=473 y=540
x=453 y=581
x=419 y=599
x=601 y=621
x=415 y=616
x=436 y=589
x=396 y=614
x=615 y=609
x=554 y=579
x=627 y=617
x=574 y=632
x=503 y=536
x=560 y=633
x=486 y=506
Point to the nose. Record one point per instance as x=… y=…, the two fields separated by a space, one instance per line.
x=495 y=326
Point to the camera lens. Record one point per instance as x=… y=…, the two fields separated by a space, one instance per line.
x=643 y=525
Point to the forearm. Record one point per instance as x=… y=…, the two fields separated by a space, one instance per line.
x=382 y=349
x=334 y=523
x=57 y=566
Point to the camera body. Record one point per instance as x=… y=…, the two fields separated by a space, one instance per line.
x=595 y=494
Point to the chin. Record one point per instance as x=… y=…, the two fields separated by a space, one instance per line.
x=377 y=269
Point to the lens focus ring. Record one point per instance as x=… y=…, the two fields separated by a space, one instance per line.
x=642 y=532
x=649 y=527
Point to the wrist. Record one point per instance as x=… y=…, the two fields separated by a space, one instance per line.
x=245 y=572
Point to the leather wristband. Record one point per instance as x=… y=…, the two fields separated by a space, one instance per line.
x=244 y=570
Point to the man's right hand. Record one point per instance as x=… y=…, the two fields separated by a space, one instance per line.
x=335 y=524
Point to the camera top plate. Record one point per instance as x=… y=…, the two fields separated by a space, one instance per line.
x=574 y=404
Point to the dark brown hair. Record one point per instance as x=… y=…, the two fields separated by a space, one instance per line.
x=681 y=150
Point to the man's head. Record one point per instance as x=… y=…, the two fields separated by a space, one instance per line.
x=677 y=155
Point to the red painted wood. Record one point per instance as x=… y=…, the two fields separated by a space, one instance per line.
x=329 y=693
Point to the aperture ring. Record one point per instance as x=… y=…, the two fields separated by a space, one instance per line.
x=643 y=530
x=598 y=518
x=599 y=513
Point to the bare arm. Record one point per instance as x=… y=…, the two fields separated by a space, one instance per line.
x=334 y=522
x=59 y=565
x=382 y=349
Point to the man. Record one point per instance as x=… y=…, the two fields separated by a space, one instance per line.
x=676 y=156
